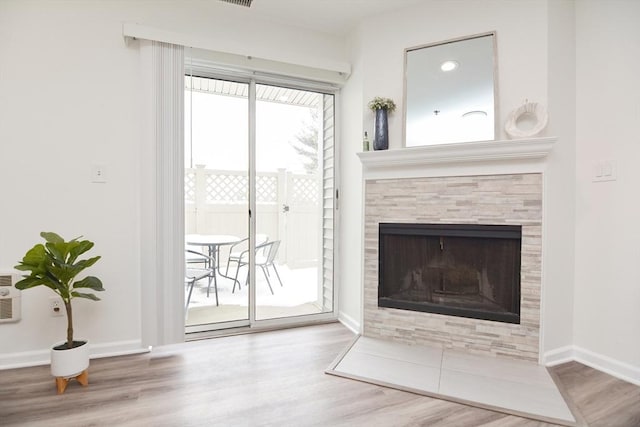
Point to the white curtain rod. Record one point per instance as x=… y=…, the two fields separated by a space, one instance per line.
x=132 y=31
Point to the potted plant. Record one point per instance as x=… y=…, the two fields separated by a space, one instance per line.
x=381 y=106
x=56 y=265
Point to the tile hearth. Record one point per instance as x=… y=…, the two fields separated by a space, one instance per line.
x=510 y=386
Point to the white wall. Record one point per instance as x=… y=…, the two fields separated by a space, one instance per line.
x=524 y=73
x=69 y=97
x=607 y=289
x=351 y=213
x=559 y=212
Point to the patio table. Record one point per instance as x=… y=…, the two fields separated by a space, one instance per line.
x=213 y=242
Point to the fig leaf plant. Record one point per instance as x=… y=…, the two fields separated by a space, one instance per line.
x=56 y=265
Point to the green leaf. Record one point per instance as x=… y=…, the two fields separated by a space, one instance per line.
x=67 y=272
x=83 y=295
x=89 y=282
x=34 y=257
x=51 y=237
x=29 y=282
x=32 y=282
x=63 y=287
x=88 y=262
x=62 y=273
x=57 y=251
x=79 y=249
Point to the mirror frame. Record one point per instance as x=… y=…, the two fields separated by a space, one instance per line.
x=496 y=110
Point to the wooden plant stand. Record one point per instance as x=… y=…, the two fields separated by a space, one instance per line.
x=61 y=382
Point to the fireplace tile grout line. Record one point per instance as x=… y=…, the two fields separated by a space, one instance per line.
x=398 y=360
x=489 y=377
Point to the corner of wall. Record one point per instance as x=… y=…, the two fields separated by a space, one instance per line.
x=560 y=181
x=350 y=182
x=608 y=365
x=350 y=323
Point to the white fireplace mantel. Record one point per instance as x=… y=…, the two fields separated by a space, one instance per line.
x=465 y=158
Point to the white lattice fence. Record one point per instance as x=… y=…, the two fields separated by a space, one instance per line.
x=222 y=186
x=231 y=187
x=267 y=188
x=190 y=186
x=216 y=202
x=226 y=187
x=305 y=190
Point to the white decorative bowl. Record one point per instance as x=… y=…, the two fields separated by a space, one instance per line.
x=532 y=109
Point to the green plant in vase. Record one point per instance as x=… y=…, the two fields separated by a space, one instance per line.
x=55 y=265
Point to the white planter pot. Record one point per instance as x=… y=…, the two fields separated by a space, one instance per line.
x=69 y=363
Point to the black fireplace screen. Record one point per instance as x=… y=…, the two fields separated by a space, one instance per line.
x=459 y=270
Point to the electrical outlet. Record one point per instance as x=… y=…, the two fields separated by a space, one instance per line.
x=56 y=307
x=98 y=173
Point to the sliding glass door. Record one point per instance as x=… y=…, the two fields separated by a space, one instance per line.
x=216 y=199
x=266 y=149
x=294 y=222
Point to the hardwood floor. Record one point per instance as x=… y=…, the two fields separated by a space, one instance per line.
x=269 y=379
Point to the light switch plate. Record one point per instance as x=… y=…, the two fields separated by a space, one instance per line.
x=605 y=170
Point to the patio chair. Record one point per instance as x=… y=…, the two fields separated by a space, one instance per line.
x=237 y=249
x=193 y=274
x=265 y=257
x=195 y=255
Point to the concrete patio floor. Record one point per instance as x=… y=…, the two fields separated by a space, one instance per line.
x=298 y=295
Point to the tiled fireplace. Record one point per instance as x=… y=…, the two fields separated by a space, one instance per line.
x=435 y=185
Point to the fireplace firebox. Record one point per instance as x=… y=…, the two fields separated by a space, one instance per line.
x=465 y=270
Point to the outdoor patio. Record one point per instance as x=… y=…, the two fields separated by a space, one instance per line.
x=298 y=296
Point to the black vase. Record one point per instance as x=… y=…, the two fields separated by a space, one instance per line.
x=381 y=131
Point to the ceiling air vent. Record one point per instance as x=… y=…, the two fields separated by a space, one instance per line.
x=245 y=3
x=9 y=298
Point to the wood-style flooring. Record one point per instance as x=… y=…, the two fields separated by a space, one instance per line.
x=270 y=379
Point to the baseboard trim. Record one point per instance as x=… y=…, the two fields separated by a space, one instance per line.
x=608 y=365
x=120 y=348
x=42 y=357
x=558 y=356
x=24 y=359
x=349 y=322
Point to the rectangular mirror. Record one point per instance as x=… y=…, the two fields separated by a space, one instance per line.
x=451 y=91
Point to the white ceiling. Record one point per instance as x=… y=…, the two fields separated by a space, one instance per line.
x=336 y=17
